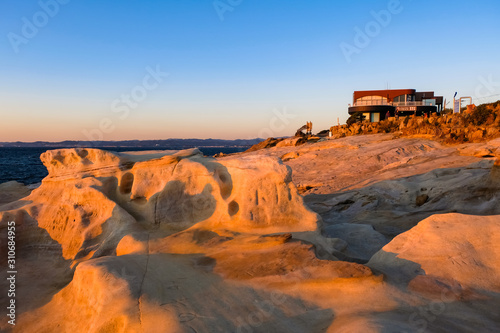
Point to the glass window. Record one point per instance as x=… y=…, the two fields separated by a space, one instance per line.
x=371 y=100
x=399 y=99
x=375 y=117
x=404 y=99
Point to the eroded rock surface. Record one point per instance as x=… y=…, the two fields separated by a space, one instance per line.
x=95 y=205
x=177 y=242
x=450 y=247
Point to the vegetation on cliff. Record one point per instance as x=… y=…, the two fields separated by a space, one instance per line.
x=482 y=123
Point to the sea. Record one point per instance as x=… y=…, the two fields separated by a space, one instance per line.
x=24 y=165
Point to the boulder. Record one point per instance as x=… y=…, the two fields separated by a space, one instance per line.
x=476 y=135
x=458 y=250
x=291 y=142
x=268 y=143
x=492 y=132
x=289 y=156
x=114 y=216
x=323 y=133
x=92 y=199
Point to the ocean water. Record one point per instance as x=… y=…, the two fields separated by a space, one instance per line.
x=24 y=165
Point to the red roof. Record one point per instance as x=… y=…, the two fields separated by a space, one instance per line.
x=389 y=94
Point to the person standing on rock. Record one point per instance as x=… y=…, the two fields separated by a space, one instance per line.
x=309 y=127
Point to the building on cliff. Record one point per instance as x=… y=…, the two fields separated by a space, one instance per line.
x=376 y=105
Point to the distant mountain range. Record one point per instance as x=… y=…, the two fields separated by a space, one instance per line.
x=169 y=143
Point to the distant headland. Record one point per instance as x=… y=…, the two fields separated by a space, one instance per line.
x=169 y=143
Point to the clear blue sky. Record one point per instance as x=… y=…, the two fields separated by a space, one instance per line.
x=232 y=67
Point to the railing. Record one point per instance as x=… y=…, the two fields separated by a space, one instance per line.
x=363 y=103
x=408 y=103
x=367 y=103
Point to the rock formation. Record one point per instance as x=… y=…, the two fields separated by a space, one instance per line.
x=451 y=251
x=393 y=235
x=95 y=205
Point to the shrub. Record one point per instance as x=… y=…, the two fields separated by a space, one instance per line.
x=480 y=115
x=388 y=126
x=356 y=117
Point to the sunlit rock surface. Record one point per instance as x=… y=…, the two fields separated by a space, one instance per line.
x=393 y=235
x=455 y=249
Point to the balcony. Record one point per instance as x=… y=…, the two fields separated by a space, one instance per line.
x=373 y=102
x=410 y=103
x=369 y=103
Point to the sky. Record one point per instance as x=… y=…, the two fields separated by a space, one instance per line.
x=228 y=69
